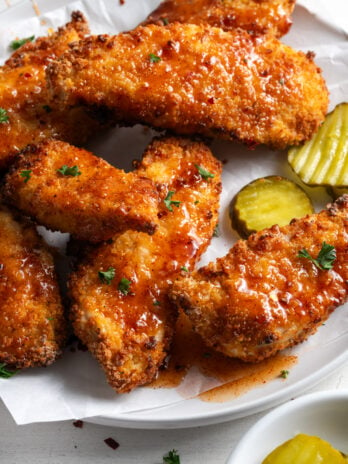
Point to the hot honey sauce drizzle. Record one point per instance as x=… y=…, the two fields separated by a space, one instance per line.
x=238 y=378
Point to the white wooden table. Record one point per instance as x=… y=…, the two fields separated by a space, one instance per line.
x=62 y=443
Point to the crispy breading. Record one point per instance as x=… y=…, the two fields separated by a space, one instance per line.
x=33 y=328
x=128 y=326
x=93 y=205
x=255 y=16
x=197 y=79
x=261 y=297
x=23 y=94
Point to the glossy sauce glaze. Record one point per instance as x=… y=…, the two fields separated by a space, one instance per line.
x=129 y=333
x=188 y=350
x=197 y=80
x=255 y=16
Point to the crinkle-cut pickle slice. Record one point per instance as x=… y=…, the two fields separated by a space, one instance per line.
x=323 y=160
x=305 y=449
x=268 y=201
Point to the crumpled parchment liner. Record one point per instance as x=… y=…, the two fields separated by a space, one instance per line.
x=75 y=387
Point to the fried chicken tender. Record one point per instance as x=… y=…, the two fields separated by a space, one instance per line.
x=262 y=297
x=197 y=80
x=33 y=328
x=93 y=202
x=32 y=116
x=125 y=318
x=255 y=16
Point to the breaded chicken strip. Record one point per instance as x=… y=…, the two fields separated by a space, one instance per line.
x=71 y=190
x=31 y=115
x=120 y=305
x=255 y=16
x=262 y=297
x=197 y=79
x=33 y=328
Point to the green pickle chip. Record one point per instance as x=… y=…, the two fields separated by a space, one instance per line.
x=323 y=160
x=305 y=449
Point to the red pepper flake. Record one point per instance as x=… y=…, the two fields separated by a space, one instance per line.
x=78 y=424
x=112 y=443
x=122 y=2
x=211 y=100
x=27 y=74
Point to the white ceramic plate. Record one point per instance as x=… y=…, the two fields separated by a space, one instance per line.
x=314 y=363
x=323 y=414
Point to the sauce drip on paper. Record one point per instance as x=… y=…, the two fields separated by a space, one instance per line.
x=189 y=350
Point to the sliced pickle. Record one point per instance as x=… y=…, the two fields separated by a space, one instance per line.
x=337 y=192
x=323 y=160
x=305 y=449
x=268 y=201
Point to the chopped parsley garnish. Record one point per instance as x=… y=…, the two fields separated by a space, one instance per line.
x=3 y=116
x=281 y=81
x=184 y=268
x=15 y=44
x=204 y=173
x=165 y=21
x=171 y=458
x=325 y=259
x=69 y=171
x=154 y=58
x=284 y=374
x=196 y=202
x=123 y=286
x=6 y=373
x=216 y=232
x=26 y=175
x=47 y=108
x=156 y=303
x=107 y=276
x=169 y=202
x=50 y=318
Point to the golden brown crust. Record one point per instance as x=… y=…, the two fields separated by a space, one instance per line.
x=33 y=329
x=204 y=81
x=23 y=94
x=261 y=297
x=92 y=206
x=130 y=334
x=255 y=16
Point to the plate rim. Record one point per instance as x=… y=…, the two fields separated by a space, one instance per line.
x=138 y=419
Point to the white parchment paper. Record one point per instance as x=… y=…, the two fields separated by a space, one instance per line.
x=75 y=387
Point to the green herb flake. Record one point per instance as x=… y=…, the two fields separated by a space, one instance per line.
x=216 y=232
x=156 y=303
x=204 y=173
x=26 y=175
x=165 y=21
x=154 y=58
x=69 y=171
x=171 y=458
x=3 y=116
x=106 y=277
x=169 y=202
x=196 y=202
x=123 y=286
x=325 y=259
x=50 y=318
x=5 y=373
x=281 y=81
x=184 y=268
x=15 y=44
x=284 y=374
